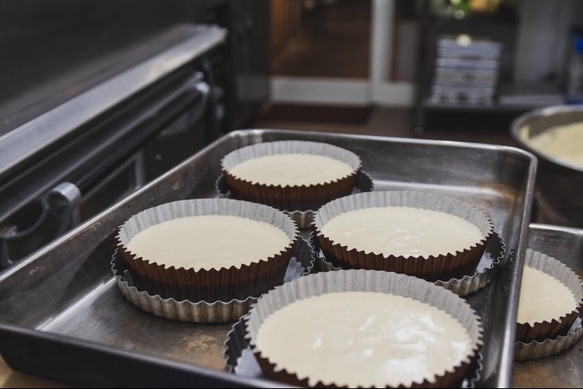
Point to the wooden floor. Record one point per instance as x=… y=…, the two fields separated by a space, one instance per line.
x=333 y=41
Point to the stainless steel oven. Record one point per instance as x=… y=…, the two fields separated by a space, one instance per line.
x=126 y=122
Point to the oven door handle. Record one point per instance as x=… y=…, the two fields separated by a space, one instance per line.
x=60 y=212
x=192 y=95
x=203 y=90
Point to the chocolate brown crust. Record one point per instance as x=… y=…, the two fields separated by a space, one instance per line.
x=542 y=331
x=291 y=197
x=209 y=285
x=450 y=379
x=525 y=332
x=441 y=267
x=297 y=197
x=431 y=268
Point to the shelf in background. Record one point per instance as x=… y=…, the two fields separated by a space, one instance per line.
x=486 y=108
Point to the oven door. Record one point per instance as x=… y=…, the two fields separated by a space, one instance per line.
x=158 y=137
x=109 y=156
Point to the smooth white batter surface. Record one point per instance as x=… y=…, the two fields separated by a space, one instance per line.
x=209 y=241
x=562 y=142
x=543 y=297
x=363 y=339
x=291 y=169
x=402 y=231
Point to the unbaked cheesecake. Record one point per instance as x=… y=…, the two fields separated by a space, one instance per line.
x=363 y=339
x=292 y=169
x=208 y=242
x=208 y=249
x=402 y=231
x=364 y=328
x=543 y=297
x=550 y=300
x=428 y=235
x=290 y=175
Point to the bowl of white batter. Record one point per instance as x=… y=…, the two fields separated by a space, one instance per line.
x=555 y=135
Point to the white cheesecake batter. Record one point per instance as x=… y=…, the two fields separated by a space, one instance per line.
x=543 y=297
x=291 y=169
x=402 y=231
x=363 y=339
x=209 y=241
x=562 y=142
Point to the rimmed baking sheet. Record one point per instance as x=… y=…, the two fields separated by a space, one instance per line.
x=64 y=318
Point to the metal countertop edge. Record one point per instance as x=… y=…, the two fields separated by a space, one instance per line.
x=26 y=140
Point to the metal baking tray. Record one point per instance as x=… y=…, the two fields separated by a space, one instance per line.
x=565 y=369
x=64 y=318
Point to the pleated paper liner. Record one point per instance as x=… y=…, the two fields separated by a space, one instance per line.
x=371 y=281
x=489 y=266
x=301 y=263
x=305 y=218
x=294 y=197
x=239 y=358
x=550 y=346
x=225 y=284
x=432 y=268
x=550 y=337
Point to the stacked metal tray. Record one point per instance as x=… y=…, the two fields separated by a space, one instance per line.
x=64 y=318
x=563 y=367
